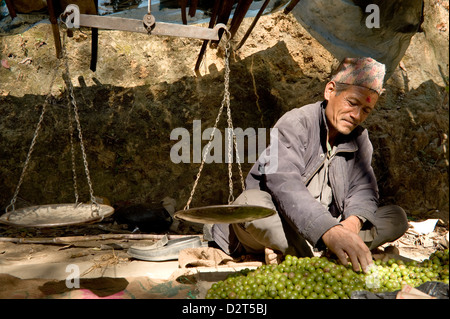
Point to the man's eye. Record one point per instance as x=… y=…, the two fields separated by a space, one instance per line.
x=352 y=103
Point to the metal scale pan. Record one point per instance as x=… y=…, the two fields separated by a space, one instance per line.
x=224 y=214
x=54 y=215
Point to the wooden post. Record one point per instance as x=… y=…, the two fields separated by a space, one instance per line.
x=212 y=22
x=193 y=8
x=55 y=28
x=239 y=15
x=223 y=16
x=183 y=5
x=255 y=20
x=12 y=11
x=290 y=6
x=94 y=43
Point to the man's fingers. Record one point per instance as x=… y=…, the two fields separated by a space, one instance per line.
x=345 y=243
x=368 y=261
x=271 y=257
x=356 y=262
x=342 y=257
x=363 y=258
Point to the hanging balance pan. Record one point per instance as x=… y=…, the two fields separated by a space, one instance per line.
x=224 y=214
x=55 y=215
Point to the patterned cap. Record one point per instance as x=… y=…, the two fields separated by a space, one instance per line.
x=365 y=72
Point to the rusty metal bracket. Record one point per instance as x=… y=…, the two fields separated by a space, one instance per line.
x=73 y=19
x=149 y=22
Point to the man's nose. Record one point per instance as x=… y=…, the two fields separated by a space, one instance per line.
x=355 y=114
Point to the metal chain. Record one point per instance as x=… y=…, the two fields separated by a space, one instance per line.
x=229 y=121
x=240 y=169
x=72 y=150
x=72 y=102
x=94 y=206
x=33 y=142
x=231 y=135
x=232 y=141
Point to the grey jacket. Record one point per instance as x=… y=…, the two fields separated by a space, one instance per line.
x=301 y=151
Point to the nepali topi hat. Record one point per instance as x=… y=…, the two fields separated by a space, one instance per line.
x=365 y=72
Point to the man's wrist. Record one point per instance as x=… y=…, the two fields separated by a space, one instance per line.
x=353 y=223
x=362 y=220
x=320 y=245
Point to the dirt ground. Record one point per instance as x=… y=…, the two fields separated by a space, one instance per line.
x=82 y=244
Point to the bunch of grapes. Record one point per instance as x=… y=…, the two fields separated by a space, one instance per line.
x=393 y=274
x=323 y=278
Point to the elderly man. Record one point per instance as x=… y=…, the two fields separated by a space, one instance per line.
x=323 y=188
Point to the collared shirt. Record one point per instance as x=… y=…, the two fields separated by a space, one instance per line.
x=319 y=185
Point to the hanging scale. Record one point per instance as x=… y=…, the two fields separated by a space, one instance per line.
x=231 y=213
x=58 y=214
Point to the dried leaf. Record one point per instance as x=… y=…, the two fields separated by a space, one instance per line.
x=26 y=61
x=5 y=64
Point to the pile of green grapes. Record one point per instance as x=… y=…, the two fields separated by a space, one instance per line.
x=323 y=278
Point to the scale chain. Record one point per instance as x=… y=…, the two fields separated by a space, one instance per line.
x=72 y=101
x=33 y=142
x=229 y=122
x=232 y=141
x=94 y=205
x=231 y=135
x=72 y=150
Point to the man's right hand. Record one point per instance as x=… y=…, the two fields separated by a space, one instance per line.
x=345 y=243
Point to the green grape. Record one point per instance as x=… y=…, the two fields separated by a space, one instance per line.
x=322 y=278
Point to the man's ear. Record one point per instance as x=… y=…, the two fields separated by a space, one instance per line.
x=329 y=89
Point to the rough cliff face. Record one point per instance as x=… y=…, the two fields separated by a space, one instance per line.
x=145 y=88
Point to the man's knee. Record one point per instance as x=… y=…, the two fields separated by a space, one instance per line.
x=255 y=197
x=391 y=224
x=257 y=234
x=396 y=218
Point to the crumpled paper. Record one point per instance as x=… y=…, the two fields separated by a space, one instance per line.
x=210 y=257
x=425 y=227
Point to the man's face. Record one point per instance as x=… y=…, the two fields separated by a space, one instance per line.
x=349 y=108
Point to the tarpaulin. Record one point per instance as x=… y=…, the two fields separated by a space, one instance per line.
x=381 y=29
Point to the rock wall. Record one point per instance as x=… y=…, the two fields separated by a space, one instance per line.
x=145 y=87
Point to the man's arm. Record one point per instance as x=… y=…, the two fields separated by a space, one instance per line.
x=359 y=206
x=286 y=184
x=362 y=197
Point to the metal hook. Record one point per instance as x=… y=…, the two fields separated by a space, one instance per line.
x=72 y=16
